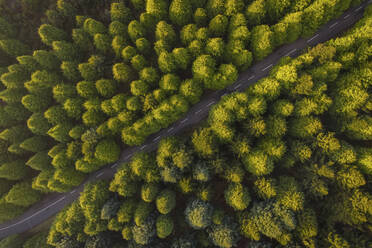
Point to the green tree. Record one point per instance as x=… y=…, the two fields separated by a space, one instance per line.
x=49 y=33
x=164 y=226
x=123 y=73
x=262 y=41
x=107 y=151
x=136 y=30
x=237 y=196
x=180 y=12
x=199 y=214
x=119 y=12
x=225 y=235
x=258 y=163
x=166 y=201
x=158 y=8
x=218 y=25
x=22 y=194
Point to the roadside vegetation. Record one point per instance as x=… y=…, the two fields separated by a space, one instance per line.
x=287 y=163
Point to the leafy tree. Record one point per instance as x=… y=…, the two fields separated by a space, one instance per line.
x=49 y=33
x=158 y=8
x=144 y=234
x=164 y=226
x=180 y=12
x=188 y=34
x=305 y=127
x=136 y=30
x=144 y=46
x=61 y=92
x=107 y=151
x=123 y=73
x=265 y=188
x=258 y=163
x=200 y=17
x=256 y=12
x=205 y=142
x=22 y=194
x=74 y=107
x=224 y=235
x=167 y=62
x=262 y=41
x=60 y=132
x=119 y=12
x=93 y=27
x=191 y=90
x=218 y=25
x=165 y=201
x=182 y=58
x=237 y=196
x=199 y=214
x=215 y=7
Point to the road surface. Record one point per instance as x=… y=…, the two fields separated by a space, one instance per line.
x=55 y=202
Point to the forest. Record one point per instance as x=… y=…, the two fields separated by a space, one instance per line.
x=286 y=163
x=83 y=80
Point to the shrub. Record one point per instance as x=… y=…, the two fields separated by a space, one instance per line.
x=199 y=214
x=166 y=201
x=164 y=226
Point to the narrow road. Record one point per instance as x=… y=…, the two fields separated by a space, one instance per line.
x=56 y=202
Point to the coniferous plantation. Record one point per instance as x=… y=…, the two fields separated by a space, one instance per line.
x=287 y=163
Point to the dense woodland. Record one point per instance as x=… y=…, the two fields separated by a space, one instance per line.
x=287 y=163
x=82 y=80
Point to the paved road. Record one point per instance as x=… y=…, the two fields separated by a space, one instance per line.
x=52 y=204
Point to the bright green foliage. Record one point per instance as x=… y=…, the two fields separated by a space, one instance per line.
x=35 y=144
x=93 y=27
x=144 y=46
x=14 y=47
x=22 y=194
x=215 y=7
x=136 y=30
x=187 y=34
x=262 y=41
x=36 y=103
x=143 y=234
x=119 y=12
x=258 y=163
x=60 y=132
x=265 y=188
x=167 y=62
x=46 y=59
x=215 y=47
x=237 y=196
x=158 y=8
x=180 y=12
x=49 y=33
x=218 y=26
x=106 y=87
x=191 y=90
x=256 y=12
x=149 y=192
x=165 y=201
x=139 y=88
x=70 y=70
x=164 y=226
x=224 y=235
x=64 y=50
x=107 y=151
x=38 y=124
x=182 y=58
x=123 y=73
x=205 y=142
x=199 y=214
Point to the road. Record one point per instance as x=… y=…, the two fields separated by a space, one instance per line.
x=55 y=202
